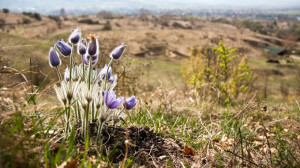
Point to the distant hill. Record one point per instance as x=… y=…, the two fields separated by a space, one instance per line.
x=129 y=6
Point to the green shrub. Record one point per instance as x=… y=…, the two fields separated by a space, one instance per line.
x=107 y=26
x=217 y=73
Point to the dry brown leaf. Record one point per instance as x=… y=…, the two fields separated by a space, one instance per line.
x=189 y=151
x=71 y=164
x=259 y=138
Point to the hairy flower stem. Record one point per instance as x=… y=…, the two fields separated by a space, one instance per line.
x=97 y=113
x=71 y=64
x=86 y=121
x=126 y=141
x=93 y=111
x=58 y=73
x=90 y=73
x=106 y=76
x=68 y=118
x=83 y=73
x=100 y=126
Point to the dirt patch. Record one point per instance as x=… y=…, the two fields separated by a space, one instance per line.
x=148 y=148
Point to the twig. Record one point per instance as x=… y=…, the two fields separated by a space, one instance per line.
x=241 y=141
x=238 y=114
x=268 y=143
x=228 y=151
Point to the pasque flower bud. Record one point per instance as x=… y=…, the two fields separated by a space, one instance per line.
x=81 y=47
x=75 y=36
x=64 y=48
x=54 y=60
x=118 y=52
x=129 y=103
x=93 y=46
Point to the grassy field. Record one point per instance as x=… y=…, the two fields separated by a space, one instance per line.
x=173 y=125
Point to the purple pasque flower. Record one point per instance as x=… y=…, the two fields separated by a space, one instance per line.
x=113 y=79
x=111 y=101
x=86 y=59
x=67 y=76
x=75 y=36
x=81 y=47
x=104 y=71
x=54 y=60
x=129 y=103
x=63 y=47
x=118 y=52
x=93 y=46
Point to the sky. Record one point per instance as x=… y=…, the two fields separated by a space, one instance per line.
x=48 y=5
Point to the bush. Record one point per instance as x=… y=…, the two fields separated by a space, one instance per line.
x=5 y=10
x=35 y=15
x=56 y=19
x=177 y=25
x=26 y=21
x=107 y=26
x=88 y=21
x=217 y=73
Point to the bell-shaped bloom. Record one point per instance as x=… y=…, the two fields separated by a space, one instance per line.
x=104 y=71
x=86 y=59
x=75 y=36
x=118 y=52
x=93 y=46
x=54 y=60
x=67 y=76
x=111 y=101
x=113 y=79
x=81 y=47
x=64 y=48
x=129 y=103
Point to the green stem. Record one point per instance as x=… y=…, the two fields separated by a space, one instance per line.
x=71 y=63
x=93 y=111
x=59 y=75
x=87 y=121
x=90 y=73
x=78 y=112
x=68 y=118
x=100 y=125
x=83 y=73
x=97 y=113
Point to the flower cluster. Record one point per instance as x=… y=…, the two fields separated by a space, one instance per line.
x=87 y=93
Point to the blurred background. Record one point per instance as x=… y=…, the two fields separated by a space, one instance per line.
x=162 y=37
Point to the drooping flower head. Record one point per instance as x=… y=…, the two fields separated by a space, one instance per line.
x=118 y=52
x=93 y=46
x=129 y=103
x=113 y=79
x=54 y=60
x=110 y=99
x=64 y=48
x=103 y=72
x=81 y=47
x=86 y=59
x=75 y=36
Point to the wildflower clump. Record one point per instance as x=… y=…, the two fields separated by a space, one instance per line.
x=86 y=93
